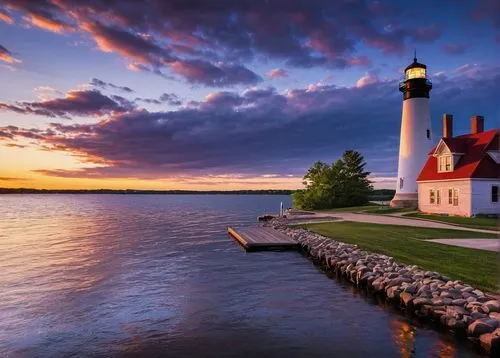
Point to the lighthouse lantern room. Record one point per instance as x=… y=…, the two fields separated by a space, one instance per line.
x=415 y=140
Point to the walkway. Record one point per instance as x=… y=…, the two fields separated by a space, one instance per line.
x=395 y=220
x=480 y=244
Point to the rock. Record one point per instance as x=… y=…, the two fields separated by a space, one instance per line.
x=478 y=315
x=478 y=293
x=495 y=315
x=420 y=301
x=406 y=299
x=467 y=289
x=412 y=289
x=395 y=282
x=491 y=306
x=393 y=292
x=455 y=311
x=459 y=302
x=479 y=327
x=436 y=301
x=490 y=341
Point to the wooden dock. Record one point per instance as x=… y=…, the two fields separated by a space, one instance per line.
x=262 y=238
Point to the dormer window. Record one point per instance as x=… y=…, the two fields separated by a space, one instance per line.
x=445 y=163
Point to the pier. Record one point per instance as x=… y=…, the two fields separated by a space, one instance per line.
x=262 y=239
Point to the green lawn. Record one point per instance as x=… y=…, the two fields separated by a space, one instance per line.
x=478 y=223
x=406 y=244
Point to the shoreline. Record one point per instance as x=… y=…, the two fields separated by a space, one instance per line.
x=429 y=296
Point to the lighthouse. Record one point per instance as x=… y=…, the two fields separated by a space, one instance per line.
x=415 y=141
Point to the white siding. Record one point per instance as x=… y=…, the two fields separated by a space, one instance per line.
x=464 y=197
x=481 y=197
x=414 y=145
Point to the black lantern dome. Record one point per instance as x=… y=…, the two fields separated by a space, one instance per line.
x=415 y=84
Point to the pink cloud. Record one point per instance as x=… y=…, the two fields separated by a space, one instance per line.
x=277 y=73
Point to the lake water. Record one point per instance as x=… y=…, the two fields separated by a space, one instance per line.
x=142 y=275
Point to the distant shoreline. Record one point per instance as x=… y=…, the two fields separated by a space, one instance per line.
x=145 y=192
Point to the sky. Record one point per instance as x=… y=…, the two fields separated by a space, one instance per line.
x=223 y=94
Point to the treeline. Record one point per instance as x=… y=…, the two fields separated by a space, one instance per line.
x=134 y=191
x=382 y=194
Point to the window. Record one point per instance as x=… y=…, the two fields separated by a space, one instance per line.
x=450 y=196
x=428 y=134
x=444 y=163
x=401 y=183
x=455 y=197
x=438 y=197
x=416 y=72
x=494 y=194
x=432 y=196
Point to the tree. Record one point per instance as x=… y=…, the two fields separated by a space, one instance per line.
x=343 y=183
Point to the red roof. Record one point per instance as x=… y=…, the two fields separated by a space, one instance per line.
x=474 y=163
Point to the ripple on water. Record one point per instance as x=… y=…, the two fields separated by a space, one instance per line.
x=114 y=275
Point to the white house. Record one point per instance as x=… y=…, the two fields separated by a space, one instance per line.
x=461 y=175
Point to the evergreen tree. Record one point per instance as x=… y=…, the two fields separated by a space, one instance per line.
x=343 y=183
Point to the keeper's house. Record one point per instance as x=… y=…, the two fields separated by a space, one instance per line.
x=461 y=175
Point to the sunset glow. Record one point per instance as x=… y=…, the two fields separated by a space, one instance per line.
x=222 y=98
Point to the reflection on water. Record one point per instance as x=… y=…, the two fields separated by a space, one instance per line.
x=128 y=275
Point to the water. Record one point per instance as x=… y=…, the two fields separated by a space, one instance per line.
x=142 y=275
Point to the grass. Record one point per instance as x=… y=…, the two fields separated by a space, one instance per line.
x=406 y=244
x=477 y=223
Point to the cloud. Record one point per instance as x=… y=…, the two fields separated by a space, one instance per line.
x=75 y=103
x=5 y=17
x=277 y=73
x=45 y=93
x=43 y=14
x=13 y=179
x=369 y=78
x=214 y=75
x=101 y=84
x=211 y=43
x=259 y=130
x=171 y=99
x=7 y=56
x=454 y=49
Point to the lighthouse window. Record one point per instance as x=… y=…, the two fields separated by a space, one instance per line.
x=401 y=183
x=416 y=72
x=428 y=134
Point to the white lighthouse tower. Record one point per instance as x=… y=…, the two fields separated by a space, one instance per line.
x=415 y=141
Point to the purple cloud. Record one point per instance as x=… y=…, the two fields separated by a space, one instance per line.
x=75 y=103
x=101 y=84
x=261 y=127
x=210 y=42
x=277 y=73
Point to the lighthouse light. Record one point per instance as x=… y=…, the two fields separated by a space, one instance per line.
x=416 y=72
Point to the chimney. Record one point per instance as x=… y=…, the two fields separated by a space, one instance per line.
x=477 y=124
x=447 y=125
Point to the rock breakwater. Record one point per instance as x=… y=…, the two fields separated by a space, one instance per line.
x=456 y=306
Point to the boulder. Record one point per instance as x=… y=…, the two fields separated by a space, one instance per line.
x=411 y=289
x=420 y=301
x=479 y=327
x=406 y=299
x=491 y=306
x=490 y=341
x=459 y=302
x=455 y=311
x=393 y=292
